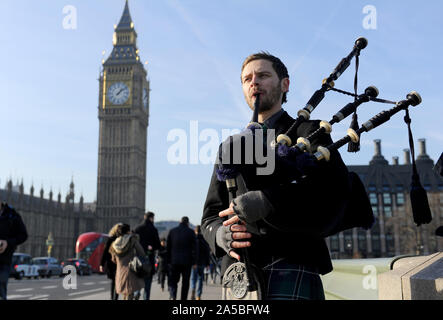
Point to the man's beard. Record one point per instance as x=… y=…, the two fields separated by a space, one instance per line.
x=269 y=100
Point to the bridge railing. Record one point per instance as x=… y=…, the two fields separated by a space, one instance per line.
x=356 y=279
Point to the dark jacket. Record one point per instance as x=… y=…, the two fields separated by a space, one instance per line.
x=13 y=230
x=162 y=259
x=203 y=251
x=181 y=246
x=106 y=261
x=305 y=212
x=148 y=237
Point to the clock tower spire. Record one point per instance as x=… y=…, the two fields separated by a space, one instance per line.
x=123 y=113
x=124 y=40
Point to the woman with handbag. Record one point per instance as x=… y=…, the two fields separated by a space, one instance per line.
x=123 y=250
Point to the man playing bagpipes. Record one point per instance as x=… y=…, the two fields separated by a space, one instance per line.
x=282 y=218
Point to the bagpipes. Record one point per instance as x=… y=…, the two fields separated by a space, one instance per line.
x=294 y=162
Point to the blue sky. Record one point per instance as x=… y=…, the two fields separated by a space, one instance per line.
x=194 y=50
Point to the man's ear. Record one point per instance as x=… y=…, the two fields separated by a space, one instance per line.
x=285 y=84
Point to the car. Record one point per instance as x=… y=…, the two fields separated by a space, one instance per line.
x=48 y=267
x=81 y=266
x=23 y=266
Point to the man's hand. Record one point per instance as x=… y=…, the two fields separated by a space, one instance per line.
x=238 y=231
x=101 y=269
x=3 y=246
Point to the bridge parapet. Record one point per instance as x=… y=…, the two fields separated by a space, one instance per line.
x=356 y=279
x=413 y=278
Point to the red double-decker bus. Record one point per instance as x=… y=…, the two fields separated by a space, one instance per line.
x=90 y=247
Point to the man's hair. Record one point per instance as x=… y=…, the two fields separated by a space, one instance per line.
x=277 y=64
x=148 y=215
x=198 y=229
x=185 y=220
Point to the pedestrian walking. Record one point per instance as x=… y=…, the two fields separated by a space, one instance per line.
x=150 y=242
x=162 y=269
x=106 y=263
x=197 y=275
x=12 y=233
x=122 y=250
x=181 y=255
x=213 y=267
x=206 y=272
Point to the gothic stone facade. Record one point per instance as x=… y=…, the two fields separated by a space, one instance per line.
x=64 y=220
x=394 y=232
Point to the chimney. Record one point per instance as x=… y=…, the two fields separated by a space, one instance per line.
x=407 y=156
x=378 y=157
x=423 y=158
x=377 y=144
x=422 y=143
x=395 y=161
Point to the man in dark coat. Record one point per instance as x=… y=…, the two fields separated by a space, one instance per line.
x=202 y=259
x=181 y=256
x=150 y=242
x=284 y=224
x=162 y=271
x=12 y=233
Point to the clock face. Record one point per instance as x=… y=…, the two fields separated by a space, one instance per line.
x=118 y=93
x=145 y=98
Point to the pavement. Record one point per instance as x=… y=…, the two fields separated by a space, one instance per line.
x=210 y=292
x=94 y=287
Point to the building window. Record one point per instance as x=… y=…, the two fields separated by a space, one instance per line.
x=334 y=243
x=387 y=198
x=388 y=211
x=362 y=242
x=375 y=210
x=400 y=199
x=373 y=198
x=348 y=241
x=390 y=244
x=376 y=245
x=372 y=188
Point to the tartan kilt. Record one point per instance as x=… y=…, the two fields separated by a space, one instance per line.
x=289 y=281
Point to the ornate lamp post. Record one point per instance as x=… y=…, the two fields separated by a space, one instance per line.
x=49 y=243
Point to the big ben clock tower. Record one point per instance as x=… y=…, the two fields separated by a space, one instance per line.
x=123 y=114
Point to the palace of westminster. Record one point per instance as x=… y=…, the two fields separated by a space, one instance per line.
x=123 y=113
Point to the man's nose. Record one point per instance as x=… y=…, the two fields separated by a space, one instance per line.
x=254 y=80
